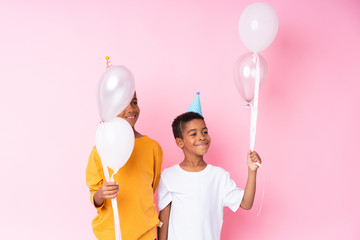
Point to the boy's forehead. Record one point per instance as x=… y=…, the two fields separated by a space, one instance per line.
x=195 y=124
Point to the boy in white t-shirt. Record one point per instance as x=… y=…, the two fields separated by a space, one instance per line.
x=192 y=194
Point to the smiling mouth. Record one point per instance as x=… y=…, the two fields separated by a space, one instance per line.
x=202 y=144
x=131 y=117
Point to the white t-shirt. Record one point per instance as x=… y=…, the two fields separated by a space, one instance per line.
x=198 y=199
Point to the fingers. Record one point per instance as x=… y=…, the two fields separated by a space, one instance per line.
x=113 y=196
x=110 y=190
x=111 y=185
x=254 y=156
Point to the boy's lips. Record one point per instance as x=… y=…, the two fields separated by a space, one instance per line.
x=204 y=144
x=131 y=117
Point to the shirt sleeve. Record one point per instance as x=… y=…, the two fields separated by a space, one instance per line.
x=232 y=194
x=164 y=195
x=94 y=174
x=158 y=159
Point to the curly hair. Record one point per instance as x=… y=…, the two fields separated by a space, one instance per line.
x=180 y=121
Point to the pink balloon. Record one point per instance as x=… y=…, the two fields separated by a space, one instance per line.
x=245 y=74
x=116 y=89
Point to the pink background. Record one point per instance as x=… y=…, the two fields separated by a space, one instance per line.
x=52 y=56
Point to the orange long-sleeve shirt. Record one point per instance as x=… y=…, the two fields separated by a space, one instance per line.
x=137 y=179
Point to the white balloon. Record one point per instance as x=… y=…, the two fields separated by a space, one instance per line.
x=115 y=142
x=116 y=89
x=258 y=26
x=245 y=74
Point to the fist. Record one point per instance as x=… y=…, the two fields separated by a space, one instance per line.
x=108 y=190
x=252 y=158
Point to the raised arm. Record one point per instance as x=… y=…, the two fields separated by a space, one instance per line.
x=250 y=188
x=164 y=216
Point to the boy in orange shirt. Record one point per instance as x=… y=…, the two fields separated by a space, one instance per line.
x=137 y=179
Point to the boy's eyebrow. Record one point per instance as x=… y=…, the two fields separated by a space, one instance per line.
x=192 y=130
x=196 y=129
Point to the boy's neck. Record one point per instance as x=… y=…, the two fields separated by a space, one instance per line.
x=137 y=134
x=193 y=164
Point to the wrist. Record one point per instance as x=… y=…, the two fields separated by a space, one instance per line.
x=98 y=200
x=251 y=171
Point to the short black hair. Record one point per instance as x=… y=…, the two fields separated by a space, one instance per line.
x=179 y=122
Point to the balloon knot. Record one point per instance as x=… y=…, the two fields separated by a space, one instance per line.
x=108 y=62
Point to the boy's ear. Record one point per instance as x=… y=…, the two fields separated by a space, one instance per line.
x=179 y=142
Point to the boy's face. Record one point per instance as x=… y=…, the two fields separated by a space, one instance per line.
x=196 y=138
x=131 y=112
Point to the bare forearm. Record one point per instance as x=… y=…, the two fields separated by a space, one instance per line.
x=250 y=189
x=163 y=232
x=164 y=216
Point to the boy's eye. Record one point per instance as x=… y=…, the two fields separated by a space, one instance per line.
x=134 y=103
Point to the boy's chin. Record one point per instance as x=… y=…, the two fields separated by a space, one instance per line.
x=131 y=122
x=202 y=153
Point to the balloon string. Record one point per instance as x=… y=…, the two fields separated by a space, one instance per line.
x=254 y=108
x=253 y=120
x=263 y=190
x=116 y=212
x=116 y=219
x=112 y=176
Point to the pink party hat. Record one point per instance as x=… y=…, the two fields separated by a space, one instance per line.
x=108 y=62
x=195 y=105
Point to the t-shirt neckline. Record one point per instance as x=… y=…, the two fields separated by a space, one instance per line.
x=193 y=173
x=141 y=138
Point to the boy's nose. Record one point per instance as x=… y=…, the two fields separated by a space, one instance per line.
x=130 y=109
